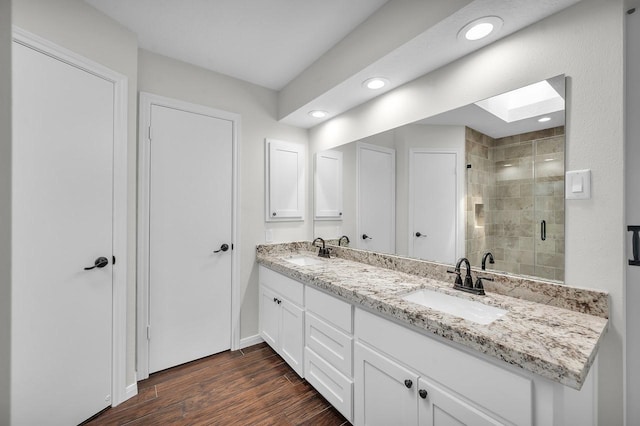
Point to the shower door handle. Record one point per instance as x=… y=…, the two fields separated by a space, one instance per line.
x=543 y=230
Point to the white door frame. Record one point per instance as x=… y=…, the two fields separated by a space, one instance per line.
x=147 y=100
x=119 y=284
x=392 y=152
x=460 y=205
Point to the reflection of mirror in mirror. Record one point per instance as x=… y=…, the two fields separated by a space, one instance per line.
x=487 y=177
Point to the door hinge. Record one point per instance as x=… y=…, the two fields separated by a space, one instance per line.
x=231 y=246
x=149 y=133
x=148 y=332
x=114 y=260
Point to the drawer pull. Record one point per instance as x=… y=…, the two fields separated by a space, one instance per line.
x=423 y=393
x=408 y=383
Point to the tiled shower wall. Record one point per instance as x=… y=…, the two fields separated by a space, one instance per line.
x=505 y=204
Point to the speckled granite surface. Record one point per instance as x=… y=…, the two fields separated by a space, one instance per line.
x=557 y=343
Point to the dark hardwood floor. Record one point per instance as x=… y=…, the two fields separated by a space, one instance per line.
x=253 y=386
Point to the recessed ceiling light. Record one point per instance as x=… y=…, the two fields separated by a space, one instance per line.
x=544 y=119
x=480 y=28
x=318 y=114
x=375 y=83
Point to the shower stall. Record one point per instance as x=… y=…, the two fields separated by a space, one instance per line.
x=515 y=201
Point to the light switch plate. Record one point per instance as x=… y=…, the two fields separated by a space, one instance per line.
x=578 y=185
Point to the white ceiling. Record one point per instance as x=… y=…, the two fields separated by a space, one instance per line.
x=266 y=42
x=273 y=43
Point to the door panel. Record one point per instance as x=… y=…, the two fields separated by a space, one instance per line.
x=382 y=395
x=433 y=184
x=63 y=121
x=269 y=317
x=440 y=408
x=376 y=198
x=292 y=335
x=190 y=217
x=632 y=172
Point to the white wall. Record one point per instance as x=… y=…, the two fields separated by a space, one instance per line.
x=75 y=25
x=5 y=210
x=257 y=106
x=585 y=43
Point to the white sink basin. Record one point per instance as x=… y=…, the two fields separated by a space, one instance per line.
x=467 y=309
x=304 y=260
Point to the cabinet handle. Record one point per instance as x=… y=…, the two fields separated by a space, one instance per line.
x=423 y=393
x=408 y=383
x=275 y=300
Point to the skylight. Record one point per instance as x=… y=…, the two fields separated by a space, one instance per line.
x=530 y=101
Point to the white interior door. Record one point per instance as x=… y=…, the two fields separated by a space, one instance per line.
x=376 y=198
x=632 y=296
x=63 y=136
x=433 y=206
x=190 y=205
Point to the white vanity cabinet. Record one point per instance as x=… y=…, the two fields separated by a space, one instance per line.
x=393 y=364
x=377 y=371
x=329 y=348
x=282 y=316
x=390 y=393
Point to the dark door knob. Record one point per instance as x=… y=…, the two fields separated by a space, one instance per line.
x=100 y=262
x=423 y=393
x=366 y=237
x=408 y=383
x=418 y=234
x=223 y=247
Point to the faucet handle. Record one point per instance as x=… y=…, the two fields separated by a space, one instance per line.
x=479 y=284
x=458 y=276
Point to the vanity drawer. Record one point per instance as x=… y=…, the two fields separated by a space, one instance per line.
x=330 y=308
x=287 y=287
x=330 y=383
x=328 y=342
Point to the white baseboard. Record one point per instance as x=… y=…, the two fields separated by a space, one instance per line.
x=250 y=341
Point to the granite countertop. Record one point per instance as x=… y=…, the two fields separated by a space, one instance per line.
x=553 y=342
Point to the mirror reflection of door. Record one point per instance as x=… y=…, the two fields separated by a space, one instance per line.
x=433 y=205
x=376 y=198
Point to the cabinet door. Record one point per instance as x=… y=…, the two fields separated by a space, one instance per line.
x=285 y=181
x=385 y=392
x=292 y=335
x=328 y=185
x=438 y=407
x=269 y=317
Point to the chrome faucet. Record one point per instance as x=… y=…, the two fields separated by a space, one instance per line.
x=323 y=252
x=344 y=237
x=484 y=260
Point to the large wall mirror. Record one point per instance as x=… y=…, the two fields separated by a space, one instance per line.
x=484 y=178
